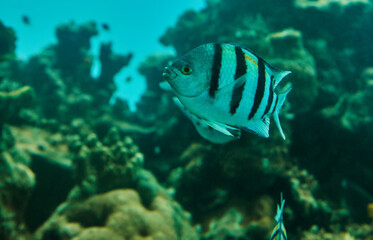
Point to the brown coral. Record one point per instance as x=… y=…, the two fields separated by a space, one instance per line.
x=118 y=214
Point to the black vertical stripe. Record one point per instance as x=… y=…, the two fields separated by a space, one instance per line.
x=270 y=98
x=259 y=88
x=241 y=69
x=236 y=97
x=216 y=67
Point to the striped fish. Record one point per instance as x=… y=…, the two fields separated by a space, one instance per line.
x=279 y=232
x=226 y=88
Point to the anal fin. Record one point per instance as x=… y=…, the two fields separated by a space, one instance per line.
x=212 y=131
x=260 y=127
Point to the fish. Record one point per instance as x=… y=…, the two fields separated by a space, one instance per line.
x=224 y=88
x=279 y=231
x=26 y=20
x=105 y=26
x=128 y=79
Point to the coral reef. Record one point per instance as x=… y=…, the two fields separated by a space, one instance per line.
x=16 y=184
x=61 y=76
x=330 y=103
x=289 y=45
x=118 y=214
x=11 y=103
x=75 y=167
x=95 y=208
x=111 y=63
x=7 y=42
x=72 y=49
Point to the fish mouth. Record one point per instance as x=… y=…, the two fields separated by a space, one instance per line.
x=168 y=74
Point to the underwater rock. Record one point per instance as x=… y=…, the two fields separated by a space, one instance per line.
x=216 y=178
x=50 y=89
x=115 y=162
x=152 y=68
x=358 y=113
x=62 y=80
x=329 y=5
x=157 y=111
x=232 y=226
x=344 y=169
x=355 y=111
x=286 y=51
x=7 y=42
x=72 y=48
x=47 y=155
x=327 y=20
x=118 y=214
x=100 y=168
x=111 y=63
x=229 y=226
x=16 y=184
x=216 y=24
x=11 y=103
x=183 y=36
x=141 y=208
x=305 y=206
x=354 y=231
x=155 y=107
x=155 y=104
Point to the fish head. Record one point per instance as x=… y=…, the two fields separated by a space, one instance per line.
x=189 y=76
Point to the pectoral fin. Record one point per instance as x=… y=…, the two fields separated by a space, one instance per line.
x=165 y=86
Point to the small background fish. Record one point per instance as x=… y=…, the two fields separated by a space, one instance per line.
x=26 y=20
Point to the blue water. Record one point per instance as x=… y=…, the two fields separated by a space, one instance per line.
x=135 y=26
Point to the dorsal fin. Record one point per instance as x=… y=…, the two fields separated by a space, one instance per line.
x=278 y=74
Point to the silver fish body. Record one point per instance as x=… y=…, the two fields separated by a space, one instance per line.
x=226 y=88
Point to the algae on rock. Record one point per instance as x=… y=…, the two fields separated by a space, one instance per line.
x=11 y=103
x=16 y=184
x=141 y=208
x=118 y=214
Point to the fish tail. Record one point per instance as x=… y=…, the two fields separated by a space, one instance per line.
x=279 y=233
x=281 y=100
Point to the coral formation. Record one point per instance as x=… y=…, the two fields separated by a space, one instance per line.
x=16 y=184
x=11 y=103
x=7 y=42
x=72 y=49
x=117 y=214
x=75 y=167
x=61 y=76
x=330 y=103
x=95 y=207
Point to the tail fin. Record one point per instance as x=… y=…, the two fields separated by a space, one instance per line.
x=281 y=100
x=279 y=232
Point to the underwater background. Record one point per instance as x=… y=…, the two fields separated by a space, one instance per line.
x=92 y=148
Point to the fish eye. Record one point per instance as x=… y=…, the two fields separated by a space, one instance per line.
x=186 y=69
